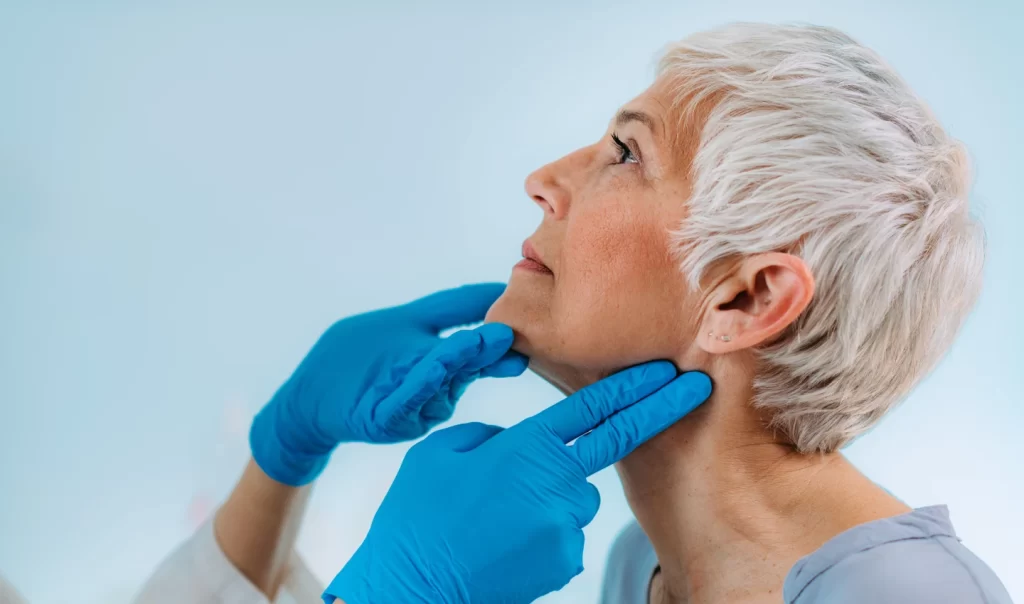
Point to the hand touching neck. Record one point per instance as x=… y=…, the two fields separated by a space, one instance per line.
x=727 y=504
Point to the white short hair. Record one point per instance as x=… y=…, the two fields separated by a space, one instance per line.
x=813 y=145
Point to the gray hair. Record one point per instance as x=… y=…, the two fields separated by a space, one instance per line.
x=813 y=145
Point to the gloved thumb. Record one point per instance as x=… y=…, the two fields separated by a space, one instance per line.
x=463 y=437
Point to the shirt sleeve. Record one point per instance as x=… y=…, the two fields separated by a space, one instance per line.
x=935 y=570
x=631 y=564
x=9 y=595
x=198 y=572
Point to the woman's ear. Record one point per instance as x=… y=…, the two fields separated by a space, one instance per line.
x=762 y=296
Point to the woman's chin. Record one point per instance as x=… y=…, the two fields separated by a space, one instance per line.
x=513 y=309
x=537 y=338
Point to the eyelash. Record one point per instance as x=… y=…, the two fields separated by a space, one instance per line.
x=624 y=151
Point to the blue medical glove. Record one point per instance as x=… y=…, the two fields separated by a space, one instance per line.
x=381 y=377
x=481 y=514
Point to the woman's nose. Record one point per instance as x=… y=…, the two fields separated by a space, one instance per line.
x=547 y=189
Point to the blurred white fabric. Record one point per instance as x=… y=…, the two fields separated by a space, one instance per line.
x=9 y=595
x=198 y=572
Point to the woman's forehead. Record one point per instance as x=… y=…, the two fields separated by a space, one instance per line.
x=655 y=101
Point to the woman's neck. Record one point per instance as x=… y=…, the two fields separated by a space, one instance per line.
x=728 y=506
x=730 y=509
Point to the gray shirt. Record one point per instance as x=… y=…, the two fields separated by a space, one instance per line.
x=908 y=559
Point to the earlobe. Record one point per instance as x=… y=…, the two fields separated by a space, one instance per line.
x=722 y=321
x=762 y=297
x=721 y=343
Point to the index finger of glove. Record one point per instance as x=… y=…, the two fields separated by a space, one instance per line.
x=626 y=430
x=586 y=409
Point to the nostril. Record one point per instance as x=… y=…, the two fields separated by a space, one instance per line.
x=543 y=203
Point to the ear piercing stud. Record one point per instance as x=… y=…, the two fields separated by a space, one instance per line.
x=711 y=334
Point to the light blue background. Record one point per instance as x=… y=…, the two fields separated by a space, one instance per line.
x=189 y=195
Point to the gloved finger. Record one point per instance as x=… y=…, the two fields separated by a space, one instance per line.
x=441 y=407
x=463 y=437
x=453 y=307
x=456 y=356
x=471 y=349
x=419 y=385
x=496 y=339
x=588 y=505
x=511 y=364
x=631 y=427
x=573 y=545
x=459 y=349
x=584 y=410
x=562 y=545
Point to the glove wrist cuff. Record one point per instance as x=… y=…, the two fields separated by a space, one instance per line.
x=288 y=467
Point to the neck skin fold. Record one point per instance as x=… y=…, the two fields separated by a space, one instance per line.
x=729 y=506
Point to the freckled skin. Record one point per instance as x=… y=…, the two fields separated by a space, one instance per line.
x=728 y=503
x=616 y=297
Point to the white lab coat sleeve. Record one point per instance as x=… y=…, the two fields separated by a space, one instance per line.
x=9 y=595
x=198 y=572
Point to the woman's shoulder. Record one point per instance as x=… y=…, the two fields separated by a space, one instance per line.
x=913 y=557
x=631 y=563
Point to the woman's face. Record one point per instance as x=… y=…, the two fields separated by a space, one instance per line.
x=611 y=295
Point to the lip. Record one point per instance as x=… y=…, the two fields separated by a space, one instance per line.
x=532 y=260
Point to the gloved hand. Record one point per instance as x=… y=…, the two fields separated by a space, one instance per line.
x=381 y=377
x=481 y=514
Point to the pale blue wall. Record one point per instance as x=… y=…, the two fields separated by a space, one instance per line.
x=189 y=195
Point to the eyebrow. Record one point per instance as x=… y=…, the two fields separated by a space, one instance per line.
x=625 y=116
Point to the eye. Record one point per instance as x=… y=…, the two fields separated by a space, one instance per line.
x=626 y=155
